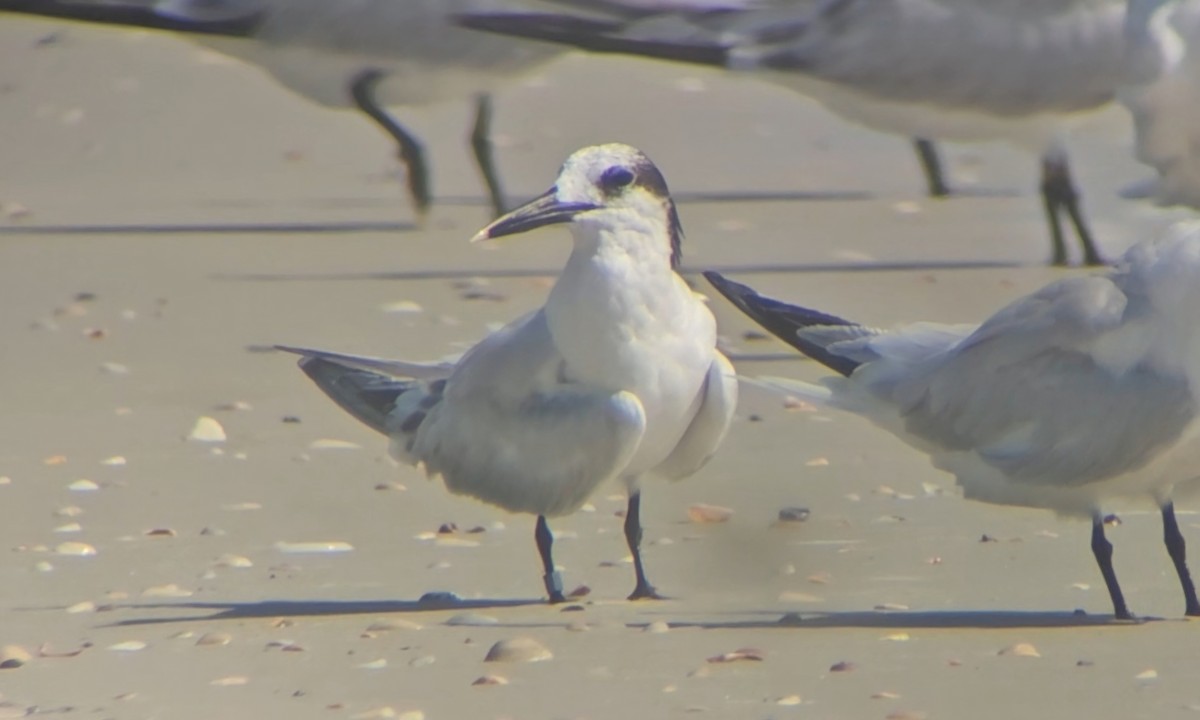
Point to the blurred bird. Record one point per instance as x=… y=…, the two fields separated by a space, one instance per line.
x=1162 y=92
x=966 y=70
x=1084 y=392
x=616 y=376
x=368 y=54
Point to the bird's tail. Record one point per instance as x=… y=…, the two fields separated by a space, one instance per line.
x=236 y=18
x=370 y=390
x=811 y=332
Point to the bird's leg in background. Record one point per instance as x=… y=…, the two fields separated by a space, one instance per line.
x=1103 y=550
x=481 y=143
x=932 y=165
x=1177 y=549
x=554 y=585
x=362 y=91
x=1059 y=193
x=633 y=536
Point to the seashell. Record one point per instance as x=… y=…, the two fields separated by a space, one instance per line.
x=168 y=590
x=657 y=627
x=83 y=485
x=788 y=700
x=737 y=655
x=706 y=514
x=78 y=549
x=13 y=656
x=793 y=514
x=330 y=546
x=402 y=307
x=128 y=646
x=332 y=444
x=214 y=638
x=230 y=681
x=843 y=666
x=207 y=430
x=490 y=680
x=86 y=606
x=1021 y=649
x=160 y=532
x=377 y=664
x=518 y=649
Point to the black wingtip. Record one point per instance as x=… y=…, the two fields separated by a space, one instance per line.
x=598 y=36
x=134 y=15
x=369 y=397
x=783 y=320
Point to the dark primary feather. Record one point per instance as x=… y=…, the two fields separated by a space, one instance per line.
x=368 y=396
x=600 y=36
x=784 y=321
x=137 y=15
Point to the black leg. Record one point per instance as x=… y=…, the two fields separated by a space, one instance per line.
x=633 y=536
x=1059 y=194
x=481 y=143
x=362 y=90
x=554 y=586
x=1177 y=549
x=1102 y=549
x=932 y=165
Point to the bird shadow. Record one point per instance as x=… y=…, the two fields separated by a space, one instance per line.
x=921 y=620
x=881 y=620
x=920 y=265
x=308 y=608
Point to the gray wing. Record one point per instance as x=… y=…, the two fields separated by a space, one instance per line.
x=1058 y=388
x=385 y=395
x=514 y=431
x=707 y=429
x=1007 y=57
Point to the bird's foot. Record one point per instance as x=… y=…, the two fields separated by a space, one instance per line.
x=645 y=591
x=554 y=588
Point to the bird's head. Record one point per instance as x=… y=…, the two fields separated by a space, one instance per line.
x=604 y=189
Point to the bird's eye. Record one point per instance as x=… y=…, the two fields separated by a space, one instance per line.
x=615 y=178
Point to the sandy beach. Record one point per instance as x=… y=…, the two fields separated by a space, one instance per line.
x=166 y=214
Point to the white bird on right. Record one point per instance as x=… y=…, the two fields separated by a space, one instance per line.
x=962 y=70
x=1163 y=96
x=1082 y=393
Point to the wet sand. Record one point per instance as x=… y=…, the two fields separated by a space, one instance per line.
x=165 y=213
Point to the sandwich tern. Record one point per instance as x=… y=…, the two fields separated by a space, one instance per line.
x=964 y=70
x=368 y=54
x=616 y=376
x=1083 y=392
x=1162 y=93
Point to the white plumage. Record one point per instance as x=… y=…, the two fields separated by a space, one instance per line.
x=368 y=54
x=617 y=376
x=966 y=70
x=1082 y=393
x=1163 y=96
